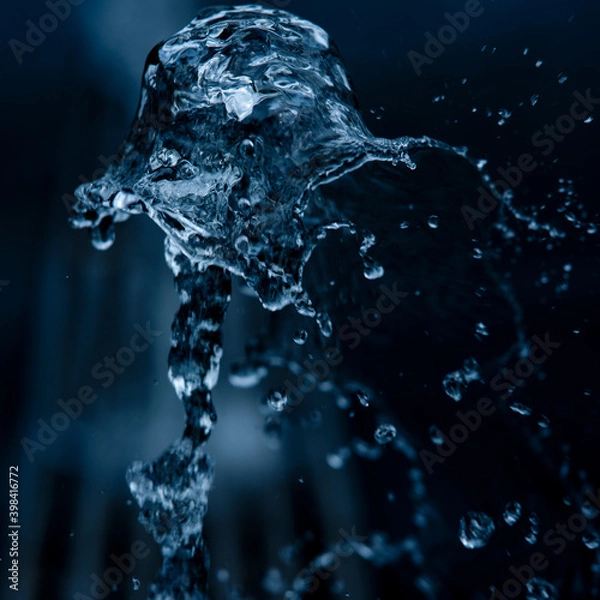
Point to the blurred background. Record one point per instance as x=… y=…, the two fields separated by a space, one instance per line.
x=65 y=306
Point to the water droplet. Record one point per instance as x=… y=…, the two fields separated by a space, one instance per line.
x=477 y=253
x=534 y=99
x=454 y=383
x=539 y=63
x=544 y=422
x=436 y=435
x=277 y=399
x=540 y=589
x=371 y=269
x=562 y=78
x=512 y=513
x=481 y=330
x=525 y=51
x=591 y=540
x=404 y=225
x=136 y=584
x=385 y=433
x=475 y=530
x=521 y=409
x=71 y=533
x=363 y=398
x=324 y=323
x=300 y=336
x=433 y=221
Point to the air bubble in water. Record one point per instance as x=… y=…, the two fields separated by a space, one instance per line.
x=591 y=540
x=136 y=584
x=475 y=530
x=385 y=433
x=512 y=513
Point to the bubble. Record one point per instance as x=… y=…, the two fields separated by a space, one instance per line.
x=475 y=530
x=512 y=513
x=591 y=540
x=385 y=433
x=136 y=584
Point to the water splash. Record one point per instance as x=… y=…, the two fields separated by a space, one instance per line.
x=249 y=151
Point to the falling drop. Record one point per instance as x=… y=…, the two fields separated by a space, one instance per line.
x=385 y=433
x=475 y=530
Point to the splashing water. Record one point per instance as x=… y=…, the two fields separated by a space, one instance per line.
x=249 y=151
